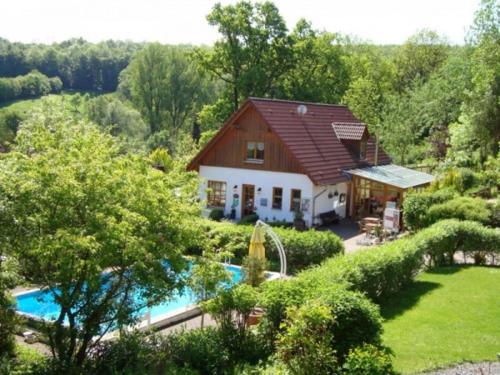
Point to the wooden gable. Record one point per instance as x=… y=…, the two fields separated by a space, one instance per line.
x=228 y=148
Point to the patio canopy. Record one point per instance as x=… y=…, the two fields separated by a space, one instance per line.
x=393 y=175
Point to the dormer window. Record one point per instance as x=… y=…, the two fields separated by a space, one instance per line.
x=255 y=152
x=362 y=149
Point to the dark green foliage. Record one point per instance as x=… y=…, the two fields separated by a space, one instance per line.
x=79 y=64
x=416 y=205
x=303 y=249
x=217 y=214
x=368 y=360
x=202 y=350
x=249 y=219
x=30 y=85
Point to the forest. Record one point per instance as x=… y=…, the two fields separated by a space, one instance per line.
x=430 y=102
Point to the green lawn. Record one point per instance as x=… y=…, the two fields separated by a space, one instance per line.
x=448 y=315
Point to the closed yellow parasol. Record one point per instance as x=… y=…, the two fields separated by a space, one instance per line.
x=257 y=248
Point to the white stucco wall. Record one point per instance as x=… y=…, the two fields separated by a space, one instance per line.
x=325 y=204
x=265 y=180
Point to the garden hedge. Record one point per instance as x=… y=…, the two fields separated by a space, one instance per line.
x=416 y=205
x=382 y=271
x=462 y=208
x=351 y=284
x=303 y=249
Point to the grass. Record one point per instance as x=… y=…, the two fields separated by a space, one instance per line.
x=24 y=105
x=448 y=315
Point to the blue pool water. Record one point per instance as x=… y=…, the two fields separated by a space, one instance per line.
x=41 y=303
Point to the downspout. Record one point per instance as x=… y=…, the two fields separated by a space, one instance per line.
x=314 y=204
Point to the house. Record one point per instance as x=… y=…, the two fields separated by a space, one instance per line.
x=274 y=157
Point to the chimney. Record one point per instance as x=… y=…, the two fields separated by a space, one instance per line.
x=375 y=161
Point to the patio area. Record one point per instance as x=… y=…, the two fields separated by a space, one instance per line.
x=348 y=231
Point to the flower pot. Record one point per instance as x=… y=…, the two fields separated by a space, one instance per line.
x=255 y=317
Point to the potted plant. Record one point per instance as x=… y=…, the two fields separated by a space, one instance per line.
x=255 y=316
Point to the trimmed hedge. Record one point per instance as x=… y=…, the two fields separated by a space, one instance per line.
x=384 y=270
x=303 y=249
x=345 y=282
x=416 y=205
x=381 y=271
x=463 y=208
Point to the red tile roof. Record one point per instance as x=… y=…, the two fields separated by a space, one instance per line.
x=349 y=130
x=310 y=137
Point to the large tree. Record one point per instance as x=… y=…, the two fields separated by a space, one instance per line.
x=418 y=57
x=319 y=72
x=254 y=51
x=166 y=87
x=92 y=226
x=482 y=105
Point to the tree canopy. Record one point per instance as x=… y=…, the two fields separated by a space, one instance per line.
x=91 y=225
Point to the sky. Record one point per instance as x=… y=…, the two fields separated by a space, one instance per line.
x=184 y=21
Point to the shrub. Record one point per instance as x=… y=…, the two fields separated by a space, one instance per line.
x=56 y=85
x=202 y=350
x=442 y=240
x=416 y=205
x=357 y=320
x=463 y=208
x=494 y=208
x=249 y=219
x=368 y=360
x=217 y=214
x=303 y=249
x=306 y=345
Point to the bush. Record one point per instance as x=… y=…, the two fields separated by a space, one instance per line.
x=303 y=249
x=30 y=85
x=249 y=219
x=202 y=350
x=416 y=205
x=442 y=240
x=56 y=85
x=357 y=320
x=217 y=214
x=368 y=360
x=462 y=208
x=460 y=179
x=306 y=345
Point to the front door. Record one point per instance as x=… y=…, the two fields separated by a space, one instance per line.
x=248 y=200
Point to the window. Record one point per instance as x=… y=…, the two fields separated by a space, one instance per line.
x=216 y=194
x=255 y=151
x=295 y=200
x=362 y=149
x=277 y=197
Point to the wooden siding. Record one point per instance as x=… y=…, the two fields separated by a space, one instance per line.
x=230 y=150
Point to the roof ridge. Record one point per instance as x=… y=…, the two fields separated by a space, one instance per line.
x=296 y=101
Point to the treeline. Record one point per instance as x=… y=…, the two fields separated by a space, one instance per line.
x=428 y=101
x=79 y=64
x=31 y=85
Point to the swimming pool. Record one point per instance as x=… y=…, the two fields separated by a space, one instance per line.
x=41 y=305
